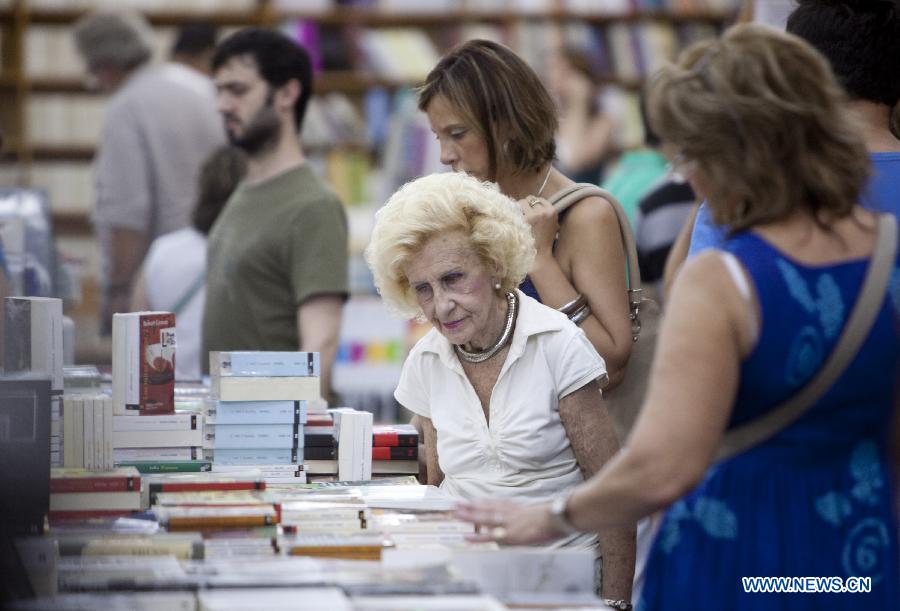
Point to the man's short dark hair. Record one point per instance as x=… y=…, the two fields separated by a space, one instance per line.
x=278 y=59
x=860 y=39
x=195 y=38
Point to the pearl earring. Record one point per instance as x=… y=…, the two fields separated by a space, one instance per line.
x=497 y=286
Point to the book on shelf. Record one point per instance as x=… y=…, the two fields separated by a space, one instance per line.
x=265 y=471
x=120 y=479
x=184 y=546
x=266 y=388
x=320 y=467
x=257 y=412
x=238 y=599
x=263 y=364
x=87 y=432
x=143 y=364
x=344 y=546
x=318 y=435
x=209 y=498
x=33 y=338
x=25 y=447
x=255 y=436
x=320 y=453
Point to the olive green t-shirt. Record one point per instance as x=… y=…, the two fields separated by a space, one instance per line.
x=276 y=244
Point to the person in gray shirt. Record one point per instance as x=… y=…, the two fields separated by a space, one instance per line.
x=159 y=126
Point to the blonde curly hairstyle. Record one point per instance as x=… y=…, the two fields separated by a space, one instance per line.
x=440 y=204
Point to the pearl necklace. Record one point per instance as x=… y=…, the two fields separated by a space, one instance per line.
x=480 y=357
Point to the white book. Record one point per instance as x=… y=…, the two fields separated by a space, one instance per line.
x=266 y=388
x=157 y=439
x=353 y=430
x=238 y=599
x=164 y=422
x=69 y=433
x=83 y=501
x=161 y=454
x=107 y=433
x=88 y=427
x=99 y=438
x=263 y=364
x=32 y=340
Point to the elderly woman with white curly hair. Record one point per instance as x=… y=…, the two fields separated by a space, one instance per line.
x=505 y=389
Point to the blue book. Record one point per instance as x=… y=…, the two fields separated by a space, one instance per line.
x=264 y=364
x=255 y=436
x=258 y=412
x=234 y=457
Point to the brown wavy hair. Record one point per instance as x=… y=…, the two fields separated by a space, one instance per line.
x=499 y=96
x=761 y=114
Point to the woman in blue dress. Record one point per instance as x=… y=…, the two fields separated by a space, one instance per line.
x=758 y=125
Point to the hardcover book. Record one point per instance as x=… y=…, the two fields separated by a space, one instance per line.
x=144 y=363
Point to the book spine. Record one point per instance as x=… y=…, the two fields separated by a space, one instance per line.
x=157 y=454
x=85 y=514
x=263 y=436
x=89 y=434
x=220 y=522
x=157 y=439
x=320 y=453
x=395 y=453
x=250 y=457
x=185 y=466
x=390 y=440
x=175 y=422
x=259 y=412
x=95 y=484
x=265 y=364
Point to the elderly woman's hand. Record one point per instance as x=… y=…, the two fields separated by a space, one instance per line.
x=544 y=221
x=510 y=523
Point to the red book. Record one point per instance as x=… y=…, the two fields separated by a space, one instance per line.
x=395 y=453
x=123 y=479
x=393 y=435
x=143 y=363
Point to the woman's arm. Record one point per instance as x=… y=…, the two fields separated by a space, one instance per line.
x=590 y=431
x=708 y=330
x=429 y=439
x=591 y=237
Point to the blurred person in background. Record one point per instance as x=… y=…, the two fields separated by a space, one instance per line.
x=194 y=46
x=505 y=388
x=584 y=138
x=277 y=274
x=496 y=121
x=861 y=41
x=158 y=128
x=757 y=123
x=173 y=277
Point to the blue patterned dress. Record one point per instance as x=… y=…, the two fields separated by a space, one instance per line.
x=815 y=500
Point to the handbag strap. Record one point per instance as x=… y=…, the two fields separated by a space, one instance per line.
x=189 y=294
x=579 y=191
x=857 y=329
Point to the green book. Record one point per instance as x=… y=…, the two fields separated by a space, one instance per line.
x=175 y=466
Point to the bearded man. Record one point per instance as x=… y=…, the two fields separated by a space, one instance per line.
x=277 y=260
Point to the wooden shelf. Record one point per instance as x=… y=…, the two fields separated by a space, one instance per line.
x=163 y=18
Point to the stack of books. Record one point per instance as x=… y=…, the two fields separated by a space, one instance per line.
x=88 y=432
x=77 y=494
x=395 y=449
x=160 y=443
x=262 y=404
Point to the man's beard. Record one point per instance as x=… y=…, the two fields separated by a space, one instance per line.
x=262 y=131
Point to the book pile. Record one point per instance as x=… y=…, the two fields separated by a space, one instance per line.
x=395 y=449
x=160 y=443
x=78 y=494
x=88 y=432
x=33 y=345
x=262 y=404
